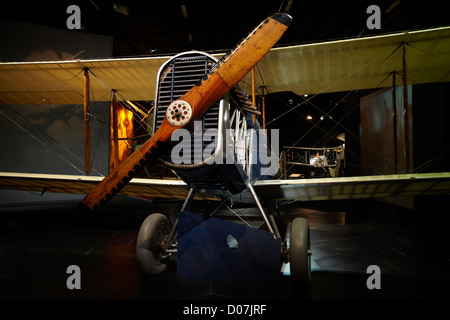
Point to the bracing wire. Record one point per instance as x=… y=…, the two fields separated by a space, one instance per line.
x=110 y=90
x=386 y=54
x=41 y=142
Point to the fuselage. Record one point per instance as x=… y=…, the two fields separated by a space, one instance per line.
x=222 y=150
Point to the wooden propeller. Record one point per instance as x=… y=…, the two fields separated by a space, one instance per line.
x=190 y=107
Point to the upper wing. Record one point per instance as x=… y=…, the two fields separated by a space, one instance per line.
x=342 y=65
x=360 y=63
x=62 y=82
x=355 y=187
x=141 y=188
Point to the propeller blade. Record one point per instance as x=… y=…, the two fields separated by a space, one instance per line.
x=224 y=75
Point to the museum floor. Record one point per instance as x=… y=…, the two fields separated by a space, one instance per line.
x=38 y=242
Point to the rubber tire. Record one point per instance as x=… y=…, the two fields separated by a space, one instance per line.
x=148 y=249
x=299 y=254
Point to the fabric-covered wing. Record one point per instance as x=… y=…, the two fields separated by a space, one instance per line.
x=301 y=189
x=61 y=82
x=141 y=188
x=359 y=63
x=355 y=187
x=333 y=66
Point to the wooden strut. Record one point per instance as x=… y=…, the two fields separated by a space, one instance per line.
x=224 y=76
x=114 y=161
x=405 y=107
x=87 y=123
x=246 y=105
x=394 y=121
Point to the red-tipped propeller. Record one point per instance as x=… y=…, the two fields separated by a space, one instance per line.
x=190 y=107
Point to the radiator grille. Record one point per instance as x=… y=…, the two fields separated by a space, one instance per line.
x=180 y=75
x=177 y=78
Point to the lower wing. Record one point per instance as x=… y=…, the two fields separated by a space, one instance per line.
x=381 y=186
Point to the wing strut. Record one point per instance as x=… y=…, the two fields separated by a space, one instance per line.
x=394 y=121
x=114 y=157
x=190 y=107
x=405 y=107
x=87 y=122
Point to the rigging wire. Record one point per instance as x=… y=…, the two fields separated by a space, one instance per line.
x=351 y=133
x=41 y=142
x=53 y=140
x=330 y=86
x=46 y=134
x=367 y=165
x=327 y=133
x=390 y=53
x=258 y=67
x=110 y=90
x=66 y=82
x=120 y=100
x=101 y=130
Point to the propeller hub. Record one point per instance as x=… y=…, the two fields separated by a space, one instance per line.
x=179 y=113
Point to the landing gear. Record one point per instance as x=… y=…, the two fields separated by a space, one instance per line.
x=300 y=252
x=156 y=240
x=149 y=245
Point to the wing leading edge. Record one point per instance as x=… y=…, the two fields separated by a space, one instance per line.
x=301 y=189
x=141 y=188
x=340 y=188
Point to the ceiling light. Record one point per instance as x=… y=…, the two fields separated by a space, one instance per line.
x=309 y=117
x=184 y=11
x=288 y=6
x=120 y=8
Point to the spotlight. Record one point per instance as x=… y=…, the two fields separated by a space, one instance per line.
x=120 y=8
x=184 y=11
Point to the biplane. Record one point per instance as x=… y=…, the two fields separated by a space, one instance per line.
x=320 y=162
x=199 y=92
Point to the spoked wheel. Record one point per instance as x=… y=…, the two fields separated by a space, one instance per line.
x=149 y=243
x=300 y=252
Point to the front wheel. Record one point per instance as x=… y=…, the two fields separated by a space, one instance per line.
x=300 y=252
x=149 y=242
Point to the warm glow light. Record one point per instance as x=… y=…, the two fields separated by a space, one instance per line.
x=125 y=129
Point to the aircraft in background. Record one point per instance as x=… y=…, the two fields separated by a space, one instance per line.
x=199 y=93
